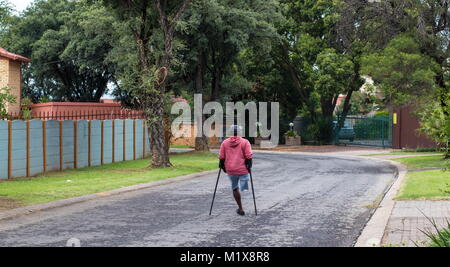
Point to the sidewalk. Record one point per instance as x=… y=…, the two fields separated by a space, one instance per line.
x=408 y=219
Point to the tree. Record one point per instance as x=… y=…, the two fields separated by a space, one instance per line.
x=148 y=22
x=68 y=43
x=402 y=72
x=217 y=34
x=435 y=124
x=413 y=56
x=5 y=15
x=314 y=33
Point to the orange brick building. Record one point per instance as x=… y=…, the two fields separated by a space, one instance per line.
x=11 y=76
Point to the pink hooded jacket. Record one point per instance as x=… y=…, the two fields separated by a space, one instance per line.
x=235 y=150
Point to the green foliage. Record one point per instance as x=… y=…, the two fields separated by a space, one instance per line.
x=435 y=123
x=382 y=114
x=332 y=74
x=291 y=133
x=402 y=71
x=25 y=110
x=5 y=98
x=68 y=43
x=220 y=36
x=438 y=237
x=6 y=16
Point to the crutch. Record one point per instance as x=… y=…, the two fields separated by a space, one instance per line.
x=215 y=190
x=253 y=190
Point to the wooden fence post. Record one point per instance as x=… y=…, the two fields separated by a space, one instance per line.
x=134 y=139
x=103 y=143
x=28 y=148
x=124 y=141
x=61 y=158
x=75 y=144
x=9 y=149
x=89 y=142
x=113 y=140
x=44 y=145
x=143 y=141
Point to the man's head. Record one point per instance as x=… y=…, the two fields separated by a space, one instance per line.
x=235 y=130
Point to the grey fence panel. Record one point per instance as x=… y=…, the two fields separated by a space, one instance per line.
x=82 y=144
x=96 y=143
x=147 y=143
x=139 y=139
x=3 y=149
x=129 y=140
x=107 y=142
x=68 y=145
x=36 y=147
x=19 y=149
x=118 y=140
x=33 y=160
x=52 y=145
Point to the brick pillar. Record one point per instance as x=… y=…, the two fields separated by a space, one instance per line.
x=10 y=76
x=15 y=83
x=4 y=70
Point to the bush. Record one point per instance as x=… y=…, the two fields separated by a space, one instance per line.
x=438 y=238
x=436 y=124
x=382 y=114
x=5 y=98
x=291 y=133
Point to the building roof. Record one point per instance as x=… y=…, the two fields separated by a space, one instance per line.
x=11 y=56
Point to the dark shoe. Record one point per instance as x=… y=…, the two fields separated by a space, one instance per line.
x=240 y=212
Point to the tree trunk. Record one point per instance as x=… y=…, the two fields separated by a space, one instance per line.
x=345 y=109
x=159 y=145
x=201 y=143
x=159 y=141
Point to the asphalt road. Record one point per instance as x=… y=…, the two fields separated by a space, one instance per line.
x=302 y=201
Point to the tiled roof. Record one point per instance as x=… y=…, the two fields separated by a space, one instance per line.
x=11 y=56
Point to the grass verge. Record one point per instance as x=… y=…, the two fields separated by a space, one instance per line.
x=180 y=146
x=72 y=183
x=423 y=162
x=426 y=185
x=401 y=153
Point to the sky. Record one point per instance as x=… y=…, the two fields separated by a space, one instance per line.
x=20 y=4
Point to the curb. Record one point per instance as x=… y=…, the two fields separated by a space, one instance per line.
x=373 y=232
x=70 y=201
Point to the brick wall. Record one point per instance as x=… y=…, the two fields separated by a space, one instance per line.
x=10 y=76
x=4 y=69
x=14 y=82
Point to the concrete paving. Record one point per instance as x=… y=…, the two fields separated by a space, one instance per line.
x=410 y=218
x=303 y=200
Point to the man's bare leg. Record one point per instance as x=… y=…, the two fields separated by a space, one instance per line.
x=237 y=197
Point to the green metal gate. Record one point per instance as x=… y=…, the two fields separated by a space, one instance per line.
x=365 y=132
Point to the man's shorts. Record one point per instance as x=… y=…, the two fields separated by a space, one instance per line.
x=239 y=182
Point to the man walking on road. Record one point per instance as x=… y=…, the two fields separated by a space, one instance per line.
x=236 y=161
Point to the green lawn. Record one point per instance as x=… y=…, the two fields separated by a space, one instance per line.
x=73 y=183
x=403 y=153
x=432 y=185
x=423 y=162
x=180 y=146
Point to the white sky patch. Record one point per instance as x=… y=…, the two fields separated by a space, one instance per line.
x=21 y=5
